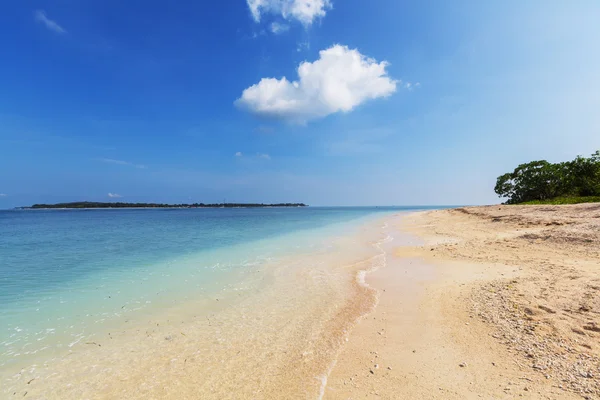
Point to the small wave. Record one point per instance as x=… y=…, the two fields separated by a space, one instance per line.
x=323 y=378
x=376 y=262
x=76 y=341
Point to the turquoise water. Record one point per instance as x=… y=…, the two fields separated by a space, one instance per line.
x=66 y=273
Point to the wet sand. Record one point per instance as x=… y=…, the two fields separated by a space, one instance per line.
x=497 y=302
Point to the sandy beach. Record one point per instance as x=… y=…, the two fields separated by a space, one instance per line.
x=496 y=302
x=492 y=302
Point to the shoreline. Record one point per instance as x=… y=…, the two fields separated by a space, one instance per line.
x=301 y=317
x=438 y=329
x=419 y=304
x=113 y=305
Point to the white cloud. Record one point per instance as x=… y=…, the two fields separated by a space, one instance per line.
x=114 y=195
x=278 y=28
x=339 y=80
x=3 y=195
x=239 y=154
x=40 y=16
x=121 y=162
x=304 y=11
x=302 y=46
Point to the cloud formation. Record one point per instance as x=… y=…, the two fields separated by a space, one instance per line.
x=121 y=162
x=302 y=46
x=339 y=80
x=114 y=195
x=264 y=156
x=278 y=28
x=40 y=16
x=304 y=11
x=411 y=86
x=3 y=195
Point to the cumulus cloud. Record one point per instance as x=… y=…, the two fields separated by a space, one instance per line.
x=239 y=154
x=339 y=80
x=40 y=16
x=114 y=195
x=121 y=162
x=304 y=11
x=278 y=28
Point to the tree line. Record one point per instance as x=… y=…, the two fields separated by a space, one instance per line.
x=542 y=180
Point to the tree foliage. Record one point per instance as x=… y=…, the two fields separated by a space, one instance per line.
x=541 y=180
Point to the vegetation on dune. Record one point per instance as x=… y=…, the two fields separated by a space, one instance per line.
x=541 y=182
x=91 y=204
x=566 y=200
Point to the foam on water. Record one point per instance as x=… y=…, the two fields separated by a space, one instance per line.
x=371 y=265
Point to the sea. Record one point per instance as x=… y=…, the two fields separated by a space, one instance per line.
x=73 y=280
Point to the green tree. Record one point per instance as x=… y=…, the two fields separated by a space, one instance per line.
x=584 y=175
x=541 y=180
x=536 y=180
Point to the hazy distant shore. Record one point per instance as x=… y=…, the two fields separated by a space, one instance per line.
x=87 y=205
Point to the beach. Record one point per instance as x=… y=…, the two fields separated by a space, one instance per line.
x=478 y=302
x=505 y=305
x=262 y=316
x=296 y=200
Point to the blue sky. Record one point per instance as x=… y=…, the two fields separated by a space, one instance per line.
x=325 y=102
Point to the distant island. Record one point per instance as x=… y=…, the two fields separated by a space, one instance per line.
x=93 y=204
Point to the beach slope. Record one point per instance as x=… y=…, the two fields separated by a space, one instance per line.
x=494 y=302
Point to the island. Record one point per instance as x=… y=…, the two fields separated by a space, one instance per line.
x=94 y=204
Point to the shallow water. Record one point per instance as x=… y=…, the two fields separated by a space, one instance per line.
x=88 y=297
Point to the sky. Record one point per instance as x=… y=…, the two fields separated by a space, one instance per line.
x=327 y=102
